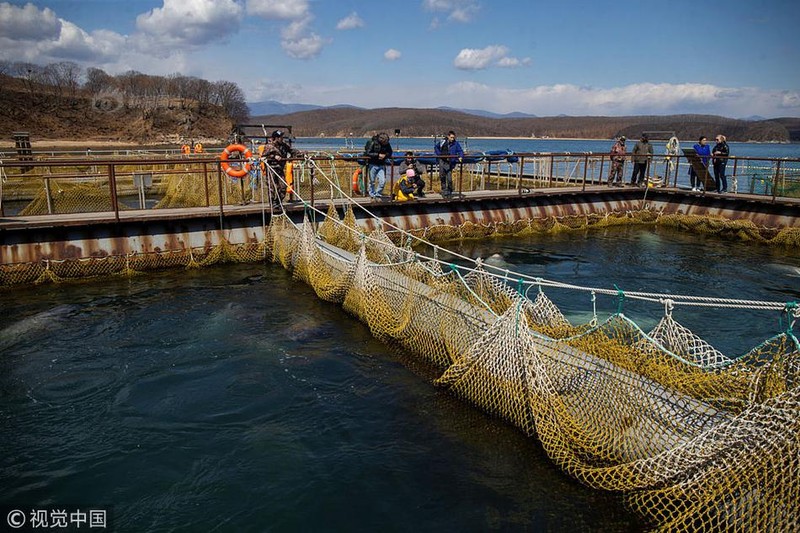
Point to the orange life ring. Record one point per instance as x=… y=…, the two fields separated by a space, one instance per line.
x=233 y=171
x=185 y=149
x=198 y=148
x=289 y=174
x=356 y=178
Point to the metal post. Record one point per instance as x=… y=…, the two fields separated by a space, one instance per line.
x=550 y=178
x=47 y=195
x=112 y=183
x=775 y=181
x=205 y=183
x=520 y=173
x=602 y=164
x=219 y=188
x=312 y=187
x=585 y=167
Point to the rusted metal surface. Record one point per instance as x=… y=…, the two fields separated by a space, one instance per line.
x=56 y=237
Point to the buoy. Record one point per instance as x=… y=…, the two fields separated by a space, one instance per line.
x=356 y=179
x=233 y=171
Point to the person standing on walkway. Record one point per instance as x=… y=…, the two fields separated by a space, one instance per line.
x=641 y=154
x=451 y=153
x=379 y=154
x=419 y=169
x=276 y=153
x=720 y=154
x=704 y=152
x=617 y=162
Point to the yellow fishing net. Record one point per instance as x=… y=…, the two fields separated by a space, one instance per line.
x=693 y=439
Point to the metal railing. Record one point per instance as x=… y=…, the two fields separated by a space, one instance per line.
x=59 y=185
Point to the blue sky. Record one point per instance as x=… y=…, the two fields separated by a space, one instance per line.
x=734 y=58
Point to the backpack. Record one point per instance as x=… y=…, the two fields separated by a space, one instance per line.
x=370 y=146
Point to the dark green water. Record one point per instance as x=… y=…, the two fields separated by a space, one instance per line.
x=232 y=399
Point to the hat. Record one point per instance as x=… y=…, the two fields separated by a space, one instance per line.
x=410 y=173
x=277 y=133
x=622 y=138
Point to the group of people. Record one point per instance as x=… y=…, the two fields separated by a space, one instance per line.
x=718 y=156
x=642 y=153
x=378 y=154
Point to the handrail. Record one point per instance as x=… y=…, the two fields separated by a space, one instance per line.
x=770 y=178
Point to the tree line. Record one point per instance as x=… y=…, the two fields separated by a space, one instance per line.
x=131 y=89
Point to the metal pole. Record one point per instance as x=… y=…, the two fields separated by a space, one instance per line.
x=312 y=188
x=112 y=183
x=775 y=181
x=585 y=167
x=47 y=195
x=219 y=188
x=205 y=183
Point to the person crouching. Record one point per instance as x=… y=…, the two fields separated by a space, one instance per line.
x=405 y=186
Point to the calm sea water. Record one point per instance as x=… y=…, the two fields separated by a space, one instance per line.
x=791 y=150
x=232 y=399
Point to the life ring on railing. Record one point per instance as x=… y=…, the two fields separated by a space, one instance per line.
x=356 y=179
x=198 y=148
x=288 y=172
x=185 y=149
x=233 y=171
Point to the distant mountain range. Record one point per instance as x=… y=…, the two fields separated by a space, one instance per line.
x=344 y=121
x=273 y=107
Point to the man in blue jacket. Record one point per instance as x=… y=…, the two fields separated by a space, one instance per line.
x=450 y=153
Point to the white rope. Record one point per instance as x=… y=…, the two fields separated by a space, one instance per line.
x=677 y=299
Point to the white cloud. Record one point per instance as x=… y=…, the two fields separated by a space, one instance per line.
x=299 y=42
x=350 y=22
x=275 y=90
x=305 y=47
x=278 y=9
x=513 y=62
x=188 y=22
x=462 y=11
x=790 y=99
x=392 y=55
x=74 y=43
x=297 y=39
x=478 y=59
x=634 y=99
x=28 y=23
x=28 y=34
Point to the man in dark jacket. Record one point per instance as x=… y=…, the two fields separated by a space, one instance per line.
x=379 y=154
x=276 y=154
x=451 y=152
x=641 y=154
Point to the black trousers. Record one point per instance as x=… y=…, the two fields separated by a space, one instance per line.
x=640 y=170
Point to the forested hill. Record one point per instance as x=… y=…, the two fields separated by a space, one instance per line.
x=343 y=121
x=62 y=102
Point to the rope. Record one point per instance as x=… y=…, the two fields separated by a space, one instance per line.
x=677 y=299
